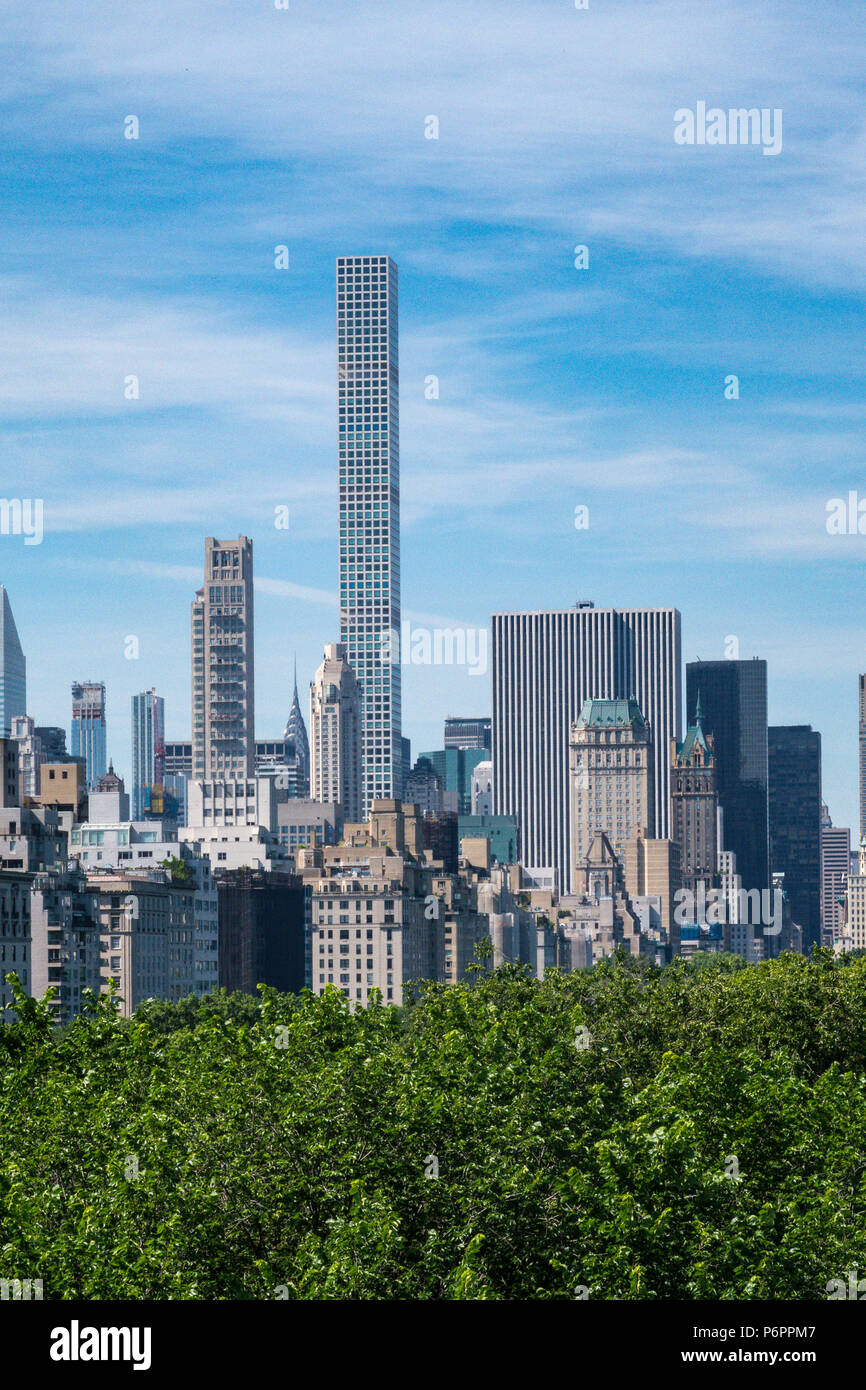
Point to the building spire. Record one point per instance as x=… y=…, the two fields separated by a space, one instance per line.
x=698 y=710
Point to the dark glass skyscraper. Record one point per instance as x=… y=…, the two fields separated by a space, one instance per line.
x=368 y=383
x=862 y=710
x=13 y=668
x=733 y=698
x=794 y=779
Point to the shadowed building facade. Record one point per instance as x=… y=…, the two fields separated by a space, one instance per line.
x=794 y=763
x=733 y=697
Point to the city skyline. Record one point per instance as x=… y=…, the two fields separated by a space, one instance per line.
x=557 y=387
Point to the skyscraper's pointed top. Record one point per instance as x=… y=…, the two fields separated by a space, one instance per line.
x=296 y=674
x=295 y=731
x=13 y=668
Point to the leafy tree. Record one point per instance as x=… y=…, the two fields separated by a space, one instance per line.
x=692 y=1132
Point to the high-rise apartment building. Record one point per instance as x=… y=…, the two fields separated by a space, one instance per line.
x=733 y=697
x=611 y=769
x=13 y=668
x=335 y=726
x=835 y=868
x=467 y=733
x=695 y=806
x=369 y=489
x=223 y=702
x=545 y=665
x=862 y=722
x=88 y=728
x=794 y=782
x=148 y=747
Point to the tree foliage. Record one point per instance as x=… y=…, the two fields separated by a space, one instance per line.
x=695 y=1132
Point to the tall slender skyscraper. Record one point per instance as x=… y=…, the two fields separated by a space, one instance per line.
x=835 y=869
x=88 y=728
x=862 y=756
x=545 y=665
x=13 y=668
x=794 y=798
x=369 y=449
x=297 y=742
x=148 y=747
x=733 y=696
x=223 y=698
x=335 y=725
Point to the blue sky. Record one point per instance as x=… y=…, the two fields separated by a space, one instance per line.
x=558 y=387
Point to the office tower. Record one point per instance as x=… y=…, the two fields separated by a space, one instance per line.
x=455 y=767
x=88 y=727
x=223 y=700
x=53 y=742
x=13 y=668
x=734 y=711
x=298 y=745
x=467 y=733
x=695 y=806
x=335 y=725
x=148 y=747
x=835 y=867
x=261 y=931
x=862 y=756
x=794 y=797
x=178 y=759
x=611 y=781
x=545 y=665
x=368 y=381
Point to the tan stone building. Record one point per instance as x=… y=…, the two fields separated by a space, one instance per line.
x=611 y=777
x=335 y=734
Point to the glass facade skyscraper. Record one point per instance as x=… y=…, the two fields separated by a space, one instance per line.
x=794 y=796
x=148 y=747
x=733 y=698
x=369 y=467
x=13 y=668
x=88 y=728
